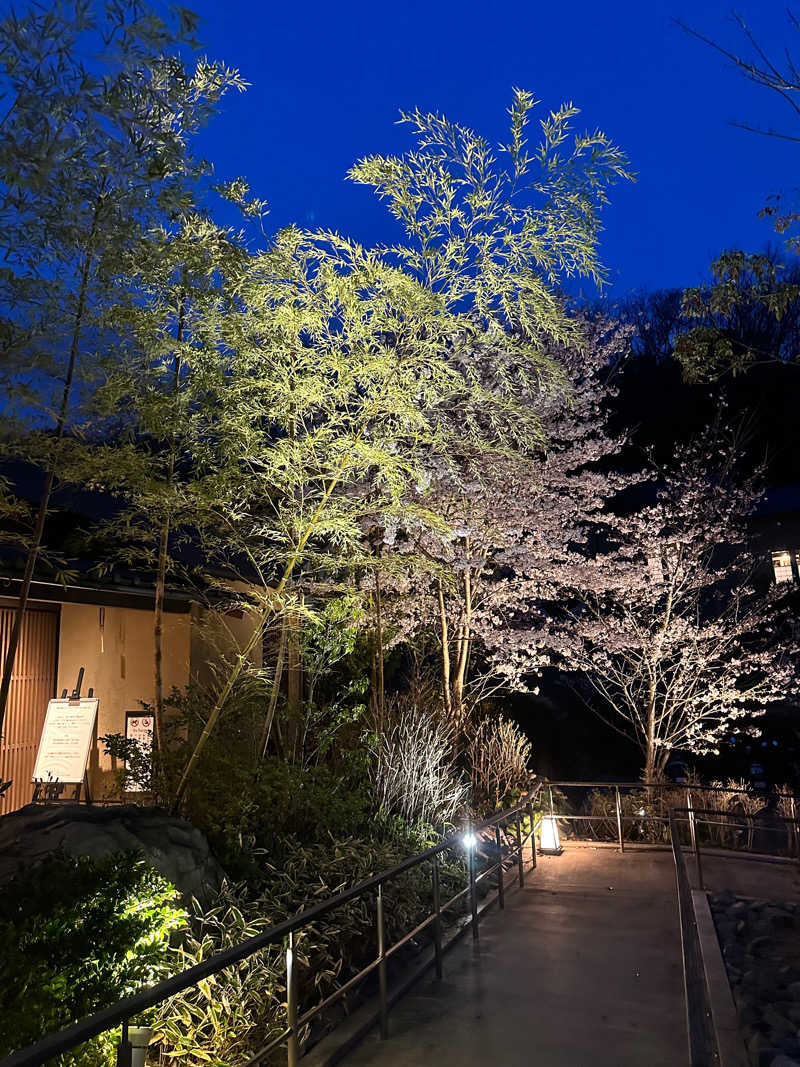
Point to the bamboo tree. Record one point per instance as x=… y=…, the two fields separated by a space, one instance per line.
x=175 y=469
x=365 y=377
x=92 y=150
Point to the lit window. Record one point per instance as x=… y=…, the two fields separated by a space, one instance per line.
x=782 y=566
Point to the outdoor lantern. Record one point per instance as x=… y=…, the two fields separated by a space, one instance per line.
x=549 y=841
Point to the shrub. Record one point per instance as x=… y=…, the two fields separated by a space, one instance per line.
x=237 y=1012
x=498 y=754
x=77 y=935
x=244 y=802
x=415 y=773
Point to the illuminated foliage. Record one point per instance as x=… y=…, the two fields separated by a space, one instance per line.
x=101 y=106
x=734 y=315
x=77 y=935
x=666 y=624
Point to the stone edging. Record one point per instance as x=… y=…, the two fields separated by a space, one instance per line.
x=730 y=1045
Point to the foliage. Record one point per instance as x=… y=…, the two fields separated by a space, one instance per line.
x=334 y=682
x=745 y=316
x=102 y=101
x=498 y=754
x=360 y=358
x=239 y=1010
x=136 y=772
x=665 y=622
x=172 y=459
x=415 y=774
x=712 y=348
x=731 y=797
x=79 y=934
x=496 y=238
x=508 y=524
x=248 y=803
x=230 y=1014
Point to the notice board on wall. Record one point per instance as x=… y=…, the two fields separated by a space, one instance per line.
x=139 y=727
x=66 y=739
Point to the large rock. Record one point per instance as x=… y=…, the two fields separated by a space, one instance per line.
x=174 y=847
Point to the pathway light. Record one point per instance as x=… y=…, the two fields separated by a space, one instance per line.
x=549 y=840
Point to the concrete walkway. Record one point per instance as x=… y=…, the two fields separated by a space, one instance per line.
x=582 y=969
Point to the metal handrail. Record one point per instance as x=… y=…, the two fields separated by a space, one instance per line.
x=124 y=1010
x=689 y=788
x=697 y=815
x=667 y=785
x=698 y=1013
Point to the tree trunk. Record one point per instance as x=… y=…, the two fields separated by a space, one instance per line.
x=163 y=549
x=263 y=620
x=380 y=691
x=295 y=685
x=465 y=636
x=445 y=637
x=649 y=761
x=276 y=687
x=44 y=504
x=373 y=679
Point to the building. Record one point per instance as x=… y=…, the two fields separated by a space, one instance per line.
x=107 y=630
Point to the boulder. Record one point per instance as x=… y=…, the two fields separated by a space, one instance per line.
x=759 y=945
x=174 y=847
x=779 y=1025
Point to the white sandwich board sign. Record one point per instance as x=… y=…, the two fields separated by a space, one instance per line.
x=66 y=739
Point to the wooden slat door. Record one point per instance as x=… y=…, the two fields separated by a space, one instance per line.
x=32 y=685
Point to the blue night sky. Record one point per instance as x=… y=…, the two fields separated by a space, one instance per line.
x=328 y=80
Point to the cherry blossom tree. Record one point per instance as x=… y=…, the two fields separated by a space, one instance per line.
x=667 y=625
x=492 y=532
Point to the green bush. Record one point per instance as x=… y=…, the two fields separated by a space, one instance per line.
x=233 y=1014
x=270 y=807
x=77 y=934
x=244 y=802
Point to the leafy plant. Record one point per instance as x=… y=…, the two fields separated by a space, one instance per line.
x=77 y=935
x=498 y=754
x=248 y=803
x=415 y=775
x=239 y=1010
x=136 y=758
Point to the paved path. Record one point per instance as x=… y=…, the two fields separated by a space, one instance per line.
x=572 y=974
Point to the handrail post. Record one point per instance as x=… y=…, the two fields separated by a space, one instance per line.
x=619 y=819
x=124 y=1049
x=437 y=918
x=292 y=1048
x=501 y=894
x=384 y=1005
x=795 y=839
x=533 y=835
x=473 y=893
x=520 y=858
x=692 y=832
x=697 y=860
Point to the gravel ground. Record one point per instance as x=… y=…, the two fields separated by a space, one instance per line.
x=761 y=945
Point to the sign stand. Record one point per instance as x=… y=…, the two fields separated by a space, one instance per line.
x=70 y=715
